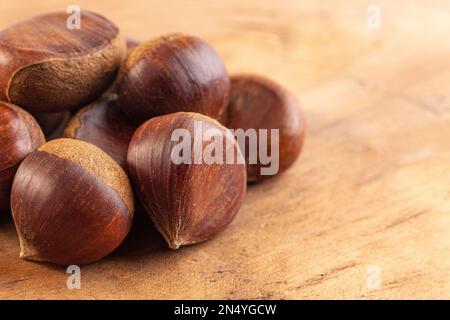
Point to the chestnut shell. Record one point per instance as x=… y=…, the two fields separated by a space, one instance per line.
x=71 y=203
x=170 y=74
x=103 y=124
x=260 y=103
x=188 y=203
x=20 y=134
x=46 y=67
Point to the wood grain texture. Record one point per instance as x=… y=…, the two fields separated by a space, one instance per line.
x=370 y=192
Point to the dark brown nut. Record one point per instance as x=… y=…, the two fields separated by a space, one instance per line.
x=170 y=74
x=71 y=203
x=19 y=135
x=53 y=124
x=188 y=202
x=259 y=103
x=103 y=124
x=45 y=67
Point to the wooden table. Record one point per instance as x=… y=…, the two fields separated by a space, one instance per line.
x=364 y=213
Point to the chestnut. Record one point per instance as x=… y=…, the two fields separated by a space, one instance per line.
x=45 y=67
x=71 y=203
x=259 y=103
x=188 y=201
x=53 y=124
x=19 y=135
x=103 y=124
x=170 y=74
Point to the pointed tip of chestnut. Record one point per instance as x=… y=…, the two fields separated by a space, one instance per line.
x=174 y=245
x=257 y=102
x=27 y=251
x=170 y=74
x=47 y=67
x=131 y=45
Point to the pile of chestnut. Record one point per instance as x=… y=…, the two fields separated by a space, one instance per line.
x=86 y=119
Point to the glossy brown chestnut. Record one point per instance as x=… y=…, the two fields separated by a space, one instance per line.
x=71 y=203
x=259 y=103
x=45 y=67
x=188 y=202
x=53 y=124
x=103 y=124
x=170 y=74
x=19 y=135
